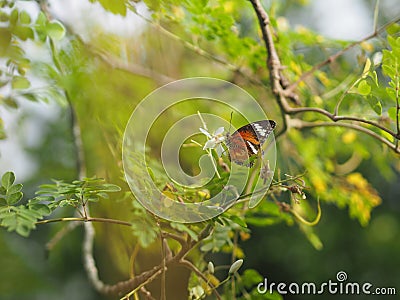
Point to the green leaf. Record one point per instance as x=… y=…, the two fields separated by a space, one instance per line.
x=393 y=29
x=367 y=67
x=10 y=102
x=4 y=17
x=5 y=40
x=108 y=187
x=14 y=17
x=364 y=88
x=388 y=70
x=375 y=104
x=9 y=221
x=23 y=32
x=15 y=188
x=19 y=82
x=55 y=30
x=27 y=216
x=374 y=77
x=113 y=6
x=184 y=228
x=41 y=209
x=39 y=199
x=18 y=219
x=251 y=278
x=15 y=52
x=145 y=232
x=7 y=180
x=23 y=230
x=238 y=221
x=5 y=211
x=103 y=195
x=14 y=198
x=207 y=247
x=41 y=20
x=24 y=18
x=30 y=96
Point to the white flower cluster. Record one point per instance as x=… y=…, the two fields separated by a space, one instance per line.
x=214 y=140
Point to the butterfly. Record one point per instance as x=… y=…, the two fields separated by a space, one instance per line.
x=245 y=143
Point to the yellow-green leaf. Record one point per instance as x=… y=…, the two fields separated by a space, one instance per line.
x=364 y=88
x=55 y=30
x=19 y=82
x=366 y=68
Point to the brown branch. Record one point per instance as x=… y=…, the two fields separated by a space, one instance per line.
x=180 y=239
x=282 y=94
x=146 y=293
x=89 y=233
x=333 y=57
x=334 y=118
x=144 y=278
x=273 y=64
x=296 y=123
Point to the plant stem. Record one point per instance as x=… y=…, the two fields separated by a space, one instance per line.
x=88 y=219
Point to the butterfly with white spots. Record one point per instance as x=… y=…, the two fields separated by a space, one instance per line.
x=245 y=143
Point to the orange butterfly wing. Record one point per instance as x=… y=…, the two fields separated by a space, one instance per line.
x=245 y=143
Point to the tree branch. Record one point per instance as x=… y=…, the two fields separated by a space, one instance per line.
x=335 y=118
x=299 y=124
x=282 y=92
x=274 y=65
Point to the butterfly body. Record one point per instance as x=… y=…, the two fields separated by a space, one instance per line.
x=245 y=143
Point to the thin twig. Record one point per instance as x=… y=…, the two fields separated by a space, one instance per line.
x=164 y=247
x=196 y=49
x=176 y=237
x=88 y=219
x=193 y=268
x=142 y=284
x=146 y=294
x=376 y=14
x=60 y=235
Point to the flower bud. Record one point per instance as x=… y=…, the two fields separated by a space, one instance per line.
x=235 y=266
x=210 y=267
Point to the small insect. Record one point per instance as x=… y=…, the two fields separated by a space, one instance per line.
x=245 y=143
